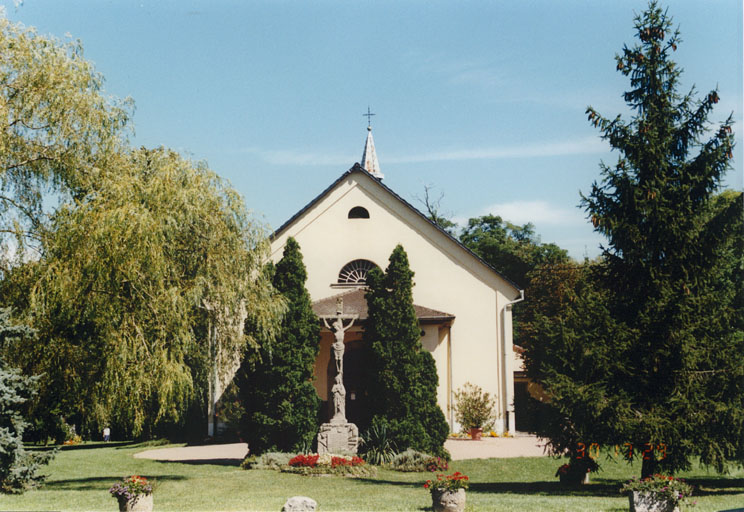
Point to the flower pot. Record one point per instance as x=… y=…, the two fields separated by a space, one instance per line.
x=139 y=503
x=448 y=501
x=651 y=502
x=475 y=433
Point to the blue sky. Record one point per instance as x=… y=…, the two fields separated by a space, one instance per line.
x=483 y=101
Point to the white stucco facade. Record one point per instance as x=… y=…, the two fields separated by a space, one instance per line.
x=476 y=346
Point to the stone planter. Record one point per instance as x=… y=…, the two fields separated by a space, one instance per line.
x=448 y=501
x=475 y=433
x=141 y=503
x=650 y=502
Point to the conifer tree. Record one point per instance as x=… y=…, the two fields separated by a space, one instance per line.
x=402 y=377
x=280 y=400
x=17 y=466
x=666 y=338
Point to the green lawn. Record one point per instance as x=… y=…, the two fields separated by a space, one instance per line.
x=79 y=480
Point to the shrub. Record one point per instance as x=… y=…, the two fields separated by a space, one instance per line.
x=473 y=407
x=272 y=460
x=376 y=445
x=410 y=461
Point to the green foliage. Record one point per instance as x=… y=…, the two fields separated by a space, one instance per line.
x=18 y=468
x=512 y=250
x=277 y=392
x=402 y=378
x=377 y=446
x=158 y=253
x=650 y=349
x=411 y=461
x=473 y=407
x=268 y=460
x=58 y=127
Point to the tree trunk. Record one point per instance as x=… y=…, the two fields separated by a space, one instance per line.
x=649 y=467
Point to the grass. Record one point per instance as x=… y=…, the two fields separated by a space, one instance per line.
x=79 y=479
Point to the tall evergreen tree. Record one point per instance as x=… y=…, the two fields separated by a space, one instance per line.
x=402 y=378
x=17 y=466
x=278 y=395
x=667 y=334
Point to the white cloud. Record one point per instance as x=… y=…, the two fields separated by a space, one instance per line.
x=587 y=145
x=301 y=158
x=540 y=213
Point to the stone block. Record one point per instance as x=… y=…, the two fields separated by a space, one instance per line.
x=300 y=504
x=338 y=438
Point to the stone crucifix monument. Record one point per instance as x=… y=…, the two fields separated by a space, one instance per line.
x=339 y=435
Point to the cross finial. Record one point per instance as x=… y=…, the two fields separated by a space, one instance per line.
x=369 y=115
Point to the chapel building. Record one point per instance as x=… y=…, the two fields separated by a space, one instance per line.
x=463 y=305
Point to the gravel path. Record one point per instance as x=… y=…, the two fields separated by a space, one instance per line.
x=521 y=446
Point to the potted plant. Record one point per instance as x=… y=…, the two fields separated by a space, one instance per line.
x=448 y=492
x=657 y=493
x=134 y=494
x=576 y=471
x=474 y=409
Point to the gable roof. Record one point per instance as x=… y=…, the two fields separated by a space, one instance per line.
x=355 y=303
x=359 y=169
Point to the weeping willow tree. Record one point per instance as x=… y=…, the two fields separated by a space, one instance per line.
x=140 y=296
x=56 y=128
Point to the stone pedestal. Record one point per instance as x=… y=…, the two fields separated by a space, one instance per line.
x=337 y=437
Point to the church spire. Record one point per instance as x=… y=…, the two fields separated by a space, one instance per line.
x=369 y=157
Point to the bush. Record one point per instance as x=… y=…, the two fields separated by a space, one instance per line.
x=271 y=460
x=474 y=408
x=410 y=461
x=376 y=445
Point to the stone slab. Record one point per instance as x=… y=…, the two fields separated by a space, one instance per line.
x=338 y=438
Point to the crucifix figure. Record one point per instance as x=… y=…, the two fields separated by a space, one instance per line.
x=338 y=346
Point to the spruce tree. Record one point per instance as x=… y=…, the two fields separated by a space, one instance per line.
x=17 y=466
x=667 y=263
x=278 y=395
x=402 y=378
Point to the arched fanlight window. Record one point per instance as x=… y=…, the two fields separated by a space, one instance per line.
x=355 y=272
x=358 y=212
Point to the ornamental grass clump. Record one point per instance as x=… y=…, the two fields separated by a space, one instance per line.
x=451 y=482
x=131 y=488
x=664 y=488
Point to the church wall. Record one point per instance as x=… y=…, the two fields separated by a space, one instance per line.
x=446 y=277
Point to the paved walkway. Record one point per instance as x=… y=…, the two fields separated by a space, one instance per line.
x=499 y=447
x=521 y=446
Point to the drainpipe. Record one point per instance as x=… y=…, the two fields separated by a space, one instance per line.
x=507 y=357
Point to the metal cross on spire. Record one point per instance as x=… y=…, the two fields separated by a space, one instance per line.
x=369 y=115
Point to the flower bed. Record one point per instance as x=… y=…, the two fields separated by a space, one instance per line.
x=329 y=464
